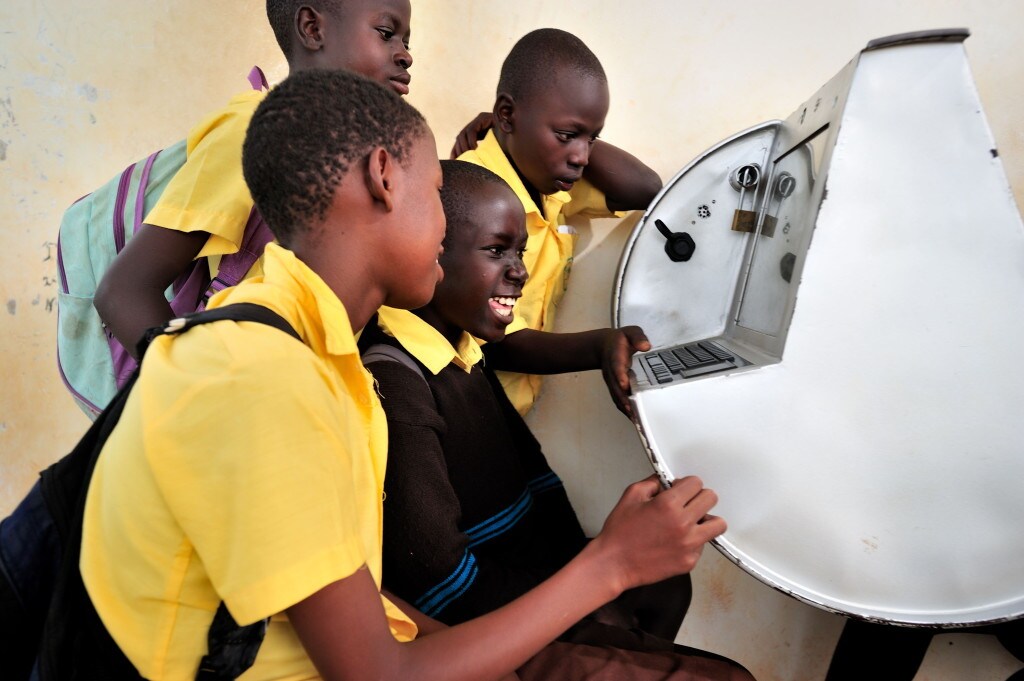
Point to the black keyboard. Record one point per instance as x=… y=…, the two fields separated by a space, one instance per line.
x=693 y=359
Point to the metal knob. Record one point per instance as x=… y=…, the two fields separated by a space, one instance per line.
x=679 y=246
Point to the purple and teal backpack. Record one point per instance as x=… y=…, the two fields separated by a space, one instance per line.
x=93 y=230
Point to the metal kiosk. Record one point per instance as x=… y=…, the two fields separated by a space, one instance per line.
x=836 y=303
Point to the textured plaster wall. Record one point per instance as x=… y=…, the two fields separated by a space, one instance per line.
x=88 y=87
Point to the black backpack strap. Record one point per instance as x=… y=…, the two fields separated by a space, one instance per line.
x=382 y=352
x=238 y=312
x=232 y=648
x=74 y=642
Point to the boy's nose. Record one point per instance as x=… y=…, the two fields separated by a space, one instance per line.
x=579 y=153
x=516 y=272
x=403 y=58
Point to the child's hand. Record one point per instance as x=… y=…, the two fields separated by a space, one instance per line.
x=475 y=131
x=654 y=533
x=616 y=358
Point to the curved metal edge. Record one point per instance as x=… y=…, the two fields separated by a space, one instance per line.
x=663 y=473
x=620 y=272
x=905 y=623
x=933 y=35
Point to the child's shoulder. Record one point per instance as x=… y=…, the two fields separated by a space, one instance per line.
x=232 y=118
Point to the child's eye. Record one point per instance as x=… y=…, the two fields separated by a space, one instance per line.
x=386 y=34
x=521 y=252
x=594 y=139
x=496 y=251
x=565 y=136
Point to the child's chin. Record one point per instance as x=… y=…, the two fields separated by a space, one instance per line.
x=491 y=335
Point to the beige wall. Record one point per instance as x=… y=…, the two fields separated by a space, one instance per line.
x=87 y=87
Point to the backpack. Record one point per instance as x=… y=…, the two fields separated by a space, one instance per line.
x=93 y=230
x=49 y=630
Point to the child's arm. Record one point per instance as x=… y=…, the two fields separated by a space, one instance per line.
x=427 y=625
x=651 y=534
x=474 y=131
x=424 y=625
x=540 y=352
x=130 y=296
x=627 y=183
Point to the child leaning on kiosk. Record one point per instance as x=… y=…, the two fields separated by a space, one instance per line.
x=552 y=100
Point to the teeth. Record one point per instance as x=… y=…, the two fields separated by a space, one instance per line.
x=507 y=302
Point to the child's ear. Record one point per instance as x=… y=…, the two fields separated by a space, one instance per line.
x=380 y=178
x=309 y=28
x=504 y=112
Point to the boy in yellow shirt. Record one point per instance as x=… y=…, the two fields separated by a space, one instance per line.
x=551 y=105
x=205 y=208
x=247 y=468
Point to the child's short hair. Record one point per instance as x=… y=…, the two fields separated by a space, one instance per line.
x=305 y=134
x=462 y=181
x=536 y=54
x=281 y=15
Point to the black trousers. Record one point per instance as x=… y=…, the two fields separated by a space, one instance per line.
x=863 y=644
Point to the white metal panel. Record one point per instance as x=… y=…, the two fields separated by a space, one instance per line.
x=876 y=470
x=675 y=300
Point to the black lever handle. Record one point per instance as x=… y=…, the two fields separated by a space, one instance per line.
x=679 y=246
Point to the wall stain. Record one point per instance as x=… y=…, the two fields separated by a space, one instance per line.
x=12 y=306
x=88 y=91
x=5 y=107
x=3 y=150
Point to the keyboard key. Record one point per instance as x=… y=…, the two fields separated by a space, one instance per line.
x=671 y=361
x=716 y=351
x=658 y=368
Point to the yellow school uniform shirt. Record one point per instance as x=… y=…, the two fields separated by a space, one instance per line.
x=209 y=192
x=247 y=467
x=426 y=343
x=548 y=258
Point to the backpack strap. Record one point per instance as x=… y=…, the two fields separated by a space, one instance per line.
x=73 y=637
x=231 y=648
x=239 y=312
x=257 y=79
x=233 y=267
x=383 y=352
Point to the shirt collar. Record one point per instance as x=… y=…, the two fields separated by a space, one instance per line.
x=426 y=343
x=492 y=157
x=282 y=268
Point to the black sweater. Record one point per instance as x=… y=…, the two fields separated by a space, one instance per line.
x=473 y=514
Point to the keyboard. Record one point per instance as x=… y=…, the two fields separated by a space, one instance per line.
x=687 y=361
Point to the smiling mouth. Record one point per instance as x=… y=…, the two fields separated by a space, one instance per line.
x=502 y=306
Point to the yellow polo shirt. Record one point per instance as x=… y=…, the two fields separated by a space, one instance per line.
x=426 y=343
x=248 y=468
x=209 y=192
x=548 y=258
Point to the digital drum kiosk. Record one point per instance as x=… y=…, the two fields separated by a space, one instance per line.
x=836 y=306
